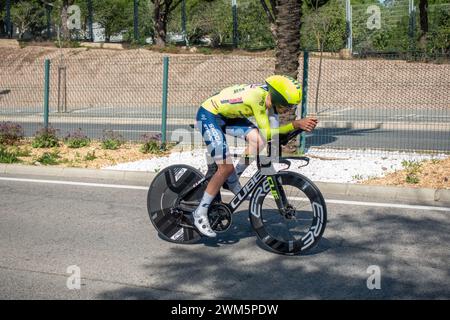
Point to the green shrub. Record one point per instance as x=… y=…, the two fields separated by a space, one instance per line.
x=68 y=44
x=45 y=138
x=90 y=156
x=111 y=140
x=77 y=139
x=206 y=51
x=49 y=158
x=151 y=143
x=412 y=170
x=10 y=133
x=7 y=157
x=20 y=152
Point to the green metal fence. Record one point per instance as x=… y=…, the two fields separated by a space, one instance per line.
x=381 y=102
x=376 y=103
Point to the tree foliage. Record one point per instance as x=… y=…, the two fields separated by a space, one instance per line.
x=323 y=22
x=113 y=15
x=324 y=27
x=28 y=16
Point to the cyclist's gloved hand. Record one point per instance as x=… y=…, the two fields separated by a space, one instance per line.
x=306 y=124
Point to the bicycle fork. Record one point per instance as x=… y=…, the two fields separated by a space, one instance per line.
x=277 y=190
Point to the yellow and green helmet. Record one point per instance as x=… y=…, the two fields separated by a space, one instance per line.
x=284 y=91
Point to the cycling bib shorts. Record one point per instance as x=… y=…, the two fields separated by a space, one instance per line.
x=213 y=128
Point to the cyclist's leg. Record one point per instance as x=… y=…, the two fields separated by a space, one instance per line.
x=210 y=127
x=255 y=141
x=245 y=129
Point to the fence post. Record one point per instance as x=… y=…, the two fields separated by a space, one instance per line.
x=164 y=100
x=46 y=91
x=136 y=20
x=348 y=22
x=304 y=98
x=91 y=30
x=235 y=23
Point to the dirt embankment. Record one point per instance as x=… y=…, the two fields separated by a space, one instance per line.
x=433 y=174
x=99 y=78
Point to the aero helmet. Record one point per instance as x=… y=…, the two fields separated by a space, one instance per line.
x=284 y=90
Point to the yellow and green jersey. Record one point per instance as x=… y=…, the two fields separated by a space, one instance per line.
x=244 y=101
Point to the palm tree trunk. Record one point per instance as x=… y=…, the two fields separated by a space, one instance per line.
x=423 y=12
x=288 y=44
x=288 y=31
x=160 y=32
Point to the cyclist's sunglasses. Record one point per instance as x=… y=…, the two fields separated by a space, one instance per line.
x=289 y=106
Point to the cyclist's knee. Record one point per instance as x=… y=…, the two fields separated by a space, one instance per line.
x=255 y=140
x=225 y=169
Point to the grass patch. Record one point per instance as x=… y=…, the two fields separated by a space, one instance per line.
x=49 y=158
x=7 y=156
x=151 y=143
x=25 y=152
x=77 y=139
x=111 y=140
x=45 y=138
x=90 y=156
x=206 y=51
x=358 y=177
x=412 y=169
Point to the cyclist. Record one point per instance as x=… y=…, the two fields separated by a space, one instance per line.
x=228 y=112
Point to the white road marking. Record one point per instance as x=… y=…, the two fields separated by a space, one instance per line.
x=389 y=205
x=119 y=186
x=74 y=183
x=368 y=204
x=336 y=112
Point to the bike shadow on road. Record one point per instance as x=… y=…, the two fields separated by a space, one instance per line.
x=241 y=229
x=329 y=136
x=409 y=248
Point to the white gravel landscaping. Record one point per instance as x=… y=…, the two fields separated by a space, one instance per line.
x=326 y=165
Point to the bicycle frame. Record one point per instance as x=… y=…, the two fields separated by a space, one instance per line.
x=272 y=185
x=275 y=188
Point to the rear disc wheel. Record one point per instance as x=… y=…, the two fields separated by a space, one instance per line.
x=172 y=221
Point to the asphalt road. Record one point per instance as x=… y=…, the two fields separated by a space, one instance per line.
x=361 y=114
x=106 y=232
x=323 y=137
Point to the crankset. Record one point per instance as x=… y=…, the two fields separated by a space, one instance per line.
x=219 y=216
x=182 y=218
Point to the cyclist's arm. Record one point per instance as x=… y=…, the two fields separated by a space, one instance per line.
x=267 y=126
x=262 y=121
x=285 y=129
x=275 y=125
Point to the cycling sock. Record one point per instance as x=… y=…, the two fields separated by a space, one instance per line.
x=201 y=216
x=204 y=203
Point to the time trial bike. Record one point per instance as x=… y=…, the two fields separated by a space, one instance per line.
x=286 y=210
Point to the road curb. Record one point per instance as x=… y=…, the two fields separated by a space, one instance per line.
x=391 y=193
x=117 y=175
